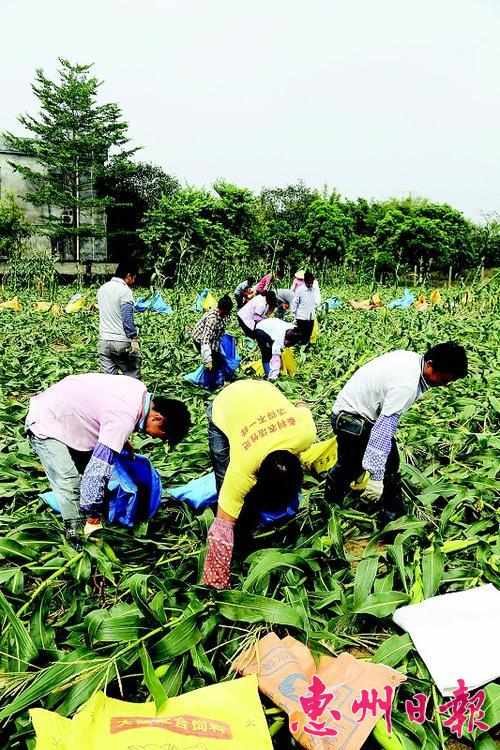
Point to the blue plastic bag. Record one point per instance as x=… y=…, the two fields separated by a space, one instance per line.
x=403 y=302
x=332 y=304
x=210 y=379
x=198 y=303
x=201 y=493
x=229 y=353
x=216 y=378
x=134 y=491
x=156 y=303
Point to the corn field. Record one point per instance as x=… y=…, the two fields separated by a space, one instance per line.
x=127 y=614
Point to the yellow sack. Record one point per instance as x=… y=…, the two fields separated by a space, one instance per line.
x=227 y=716
x=320 y=456
x=11 y=304
x=315 y=332
x=288 y=363
x=421 y=303
x=76 y=303
x=435 y=297
x=51 y=307
x=257 y=367
x=209 y=302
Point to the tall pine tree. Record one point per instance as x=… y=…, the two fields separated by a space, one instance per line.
x=74 y=140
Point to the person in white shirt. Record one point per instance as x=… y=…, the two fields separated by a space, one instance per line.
x=366 y=414
x=306 y=300
x=256 y=309
x=272 y=336
x=118 y=345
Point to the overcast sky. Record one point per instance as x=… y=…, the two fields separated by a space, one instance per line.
x=376 y=98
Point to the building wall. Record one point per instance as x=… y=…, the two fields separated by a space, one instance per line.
x=13 y=182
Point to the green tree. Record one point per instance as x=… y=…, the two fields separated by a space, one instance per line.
x=73 y=139
x=189 y=225
x=14 y=226
x=326 y=231
x=135 y=188
x=285 y=211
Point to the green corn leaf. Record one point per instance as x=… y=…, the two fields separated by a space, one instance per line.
x=393 y=650
x=364 y=578
x=239 y=606
x=432 y=570
x=183 y=637
x=24 y=647
x=152 y=682
x=382 y=605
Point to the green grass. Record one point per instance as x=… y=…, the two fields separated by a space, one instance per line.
x=73 y=623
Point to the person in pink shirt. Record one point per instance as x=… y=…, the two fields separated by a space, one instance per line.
x=78 y=426
x=264 y=284
x=258 y=308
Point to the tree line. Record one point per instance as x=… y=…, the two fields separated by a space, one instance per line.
x=86 y=168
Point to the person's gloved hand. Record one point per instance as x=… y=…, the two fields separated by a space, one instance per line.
x=217 y=568
x=134 y=346
x=374 y=489
x=208 y=364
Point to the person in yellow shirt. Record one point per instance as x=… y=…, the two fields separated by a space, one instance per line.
x=255 y=437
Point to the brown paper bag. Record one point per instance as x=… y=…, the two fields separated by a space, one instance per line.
x=286 y=671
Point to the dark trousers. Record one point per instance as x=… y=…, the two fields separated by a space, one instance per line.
x=216 y=356
x=250 y=332
x=305 y=328
x=265 y=344
x=351 y=449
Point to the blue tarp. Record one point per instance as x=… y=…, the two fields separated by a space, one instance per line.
x=134 y=491
x=201 y=493
x=213 y=379
x=156 y=303
x=402 y=302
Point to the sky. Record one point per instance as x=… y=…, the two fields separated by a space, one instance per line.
x=375 y=98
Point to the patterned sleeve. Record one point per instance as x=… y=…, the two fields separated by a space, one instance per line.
x=379 y=445
x=95 y=480
x=127 y=313
x=210 y=332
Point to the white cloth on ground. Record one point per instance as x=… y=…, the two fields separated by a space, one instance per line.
x=457 y=636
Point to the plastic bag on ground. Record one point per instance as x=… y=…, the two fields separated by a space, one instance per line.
x=210 y=718
x=156 y=303
x=209 y=302
x=421 y=303
x=401 y=303
x=197 y=305
x=201 y=493
x=435 y=297
x=44 y=307
x=134 y=491
x=285 y=669
x=11 y=304
x=76 y=304
x=334 y=303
